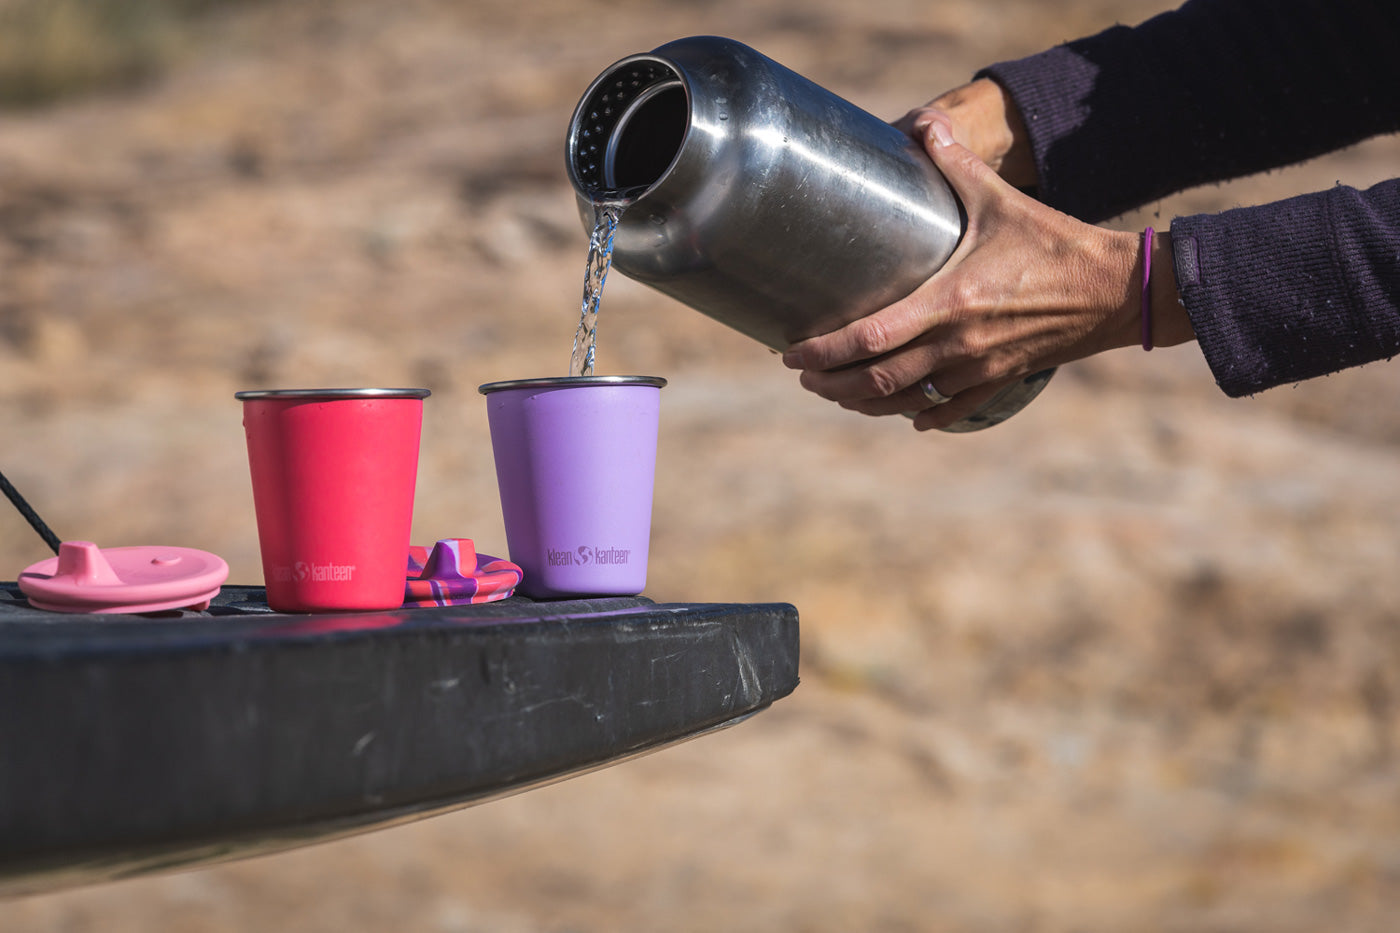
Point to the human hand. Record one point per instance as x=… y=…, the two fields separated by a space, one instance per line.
x=984 y=119
x=1027 y=288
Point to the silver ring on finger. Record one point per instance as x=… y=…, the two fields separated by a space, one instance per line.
x=933 y=395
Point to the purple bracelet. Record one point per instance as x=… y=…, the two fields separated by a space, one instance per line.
x=1147 y=289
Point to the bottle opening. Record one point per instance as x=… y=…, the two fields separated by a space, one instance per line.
x=647 y=138
x=628 y=128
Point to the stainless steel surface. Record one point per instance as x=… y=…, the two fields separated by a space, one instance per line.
x=754 y=195
x=331 y=393
x=561 y=382
x=1004 y=404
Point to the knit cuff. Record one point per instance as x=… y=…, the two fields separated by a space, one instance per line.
x=1291 y=290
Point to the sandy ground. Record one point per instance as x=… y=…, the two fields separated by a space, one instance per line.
x=1129 y=661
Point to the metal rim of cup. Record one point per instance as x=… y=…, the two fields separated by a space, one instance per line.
x=564 y=382
x=255 y=394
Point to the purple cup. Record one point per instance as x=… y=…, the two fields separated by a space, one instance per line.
x=575 y=465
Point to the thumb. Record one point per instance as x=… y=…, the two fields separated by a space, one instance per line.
x=964 y=170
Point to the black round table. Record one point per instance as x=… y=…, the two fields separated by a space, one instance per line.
x=132 y=744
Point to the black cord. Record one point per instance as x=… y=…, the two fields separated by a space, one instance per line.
x=29 y=514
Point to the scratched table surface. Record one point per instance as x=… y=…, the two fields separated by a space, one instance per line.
x=132 y=744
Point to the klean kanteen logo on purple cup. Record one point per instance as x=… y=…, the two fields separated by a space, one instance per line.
x=576 y=464
x=567 y=557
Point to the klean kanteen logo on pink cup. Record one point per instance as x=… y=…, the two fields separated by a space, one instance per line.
x=334 y=473
x=575 y=464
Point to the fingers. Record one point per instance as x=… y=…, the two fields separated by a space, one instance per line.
x=862 y=340
x=907 y=401
x=925 y=414
x=894 y=384
x=873 y=383
x=962 y=405
x=920 y=119
x=912 y=123
x=970 y=178
x=905 y=124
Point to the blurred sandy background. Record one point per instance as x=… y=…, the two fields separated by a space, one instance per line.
x=1130 y=661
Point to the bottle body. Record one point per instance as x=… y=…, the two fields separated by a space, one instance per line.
x=759 y=198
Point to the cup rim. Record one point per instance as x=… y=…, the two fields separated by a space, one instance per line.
x=255 y=394
x=564 y=382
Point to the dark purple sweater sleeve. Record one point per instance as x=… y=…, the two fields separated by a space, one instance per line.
x=1215 y=90
x=1295 y=289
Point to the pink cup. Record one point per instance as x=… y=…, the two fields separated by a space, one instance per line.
x=334 y=472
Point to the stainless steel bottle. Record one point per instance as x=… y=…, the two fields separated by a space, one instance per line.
x=762 y=199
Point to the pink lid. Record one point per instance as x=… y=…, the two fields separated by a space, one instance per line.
x=86 y=578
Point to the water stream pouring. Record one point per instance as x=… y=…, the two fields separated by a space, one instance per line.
x=761 y=199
